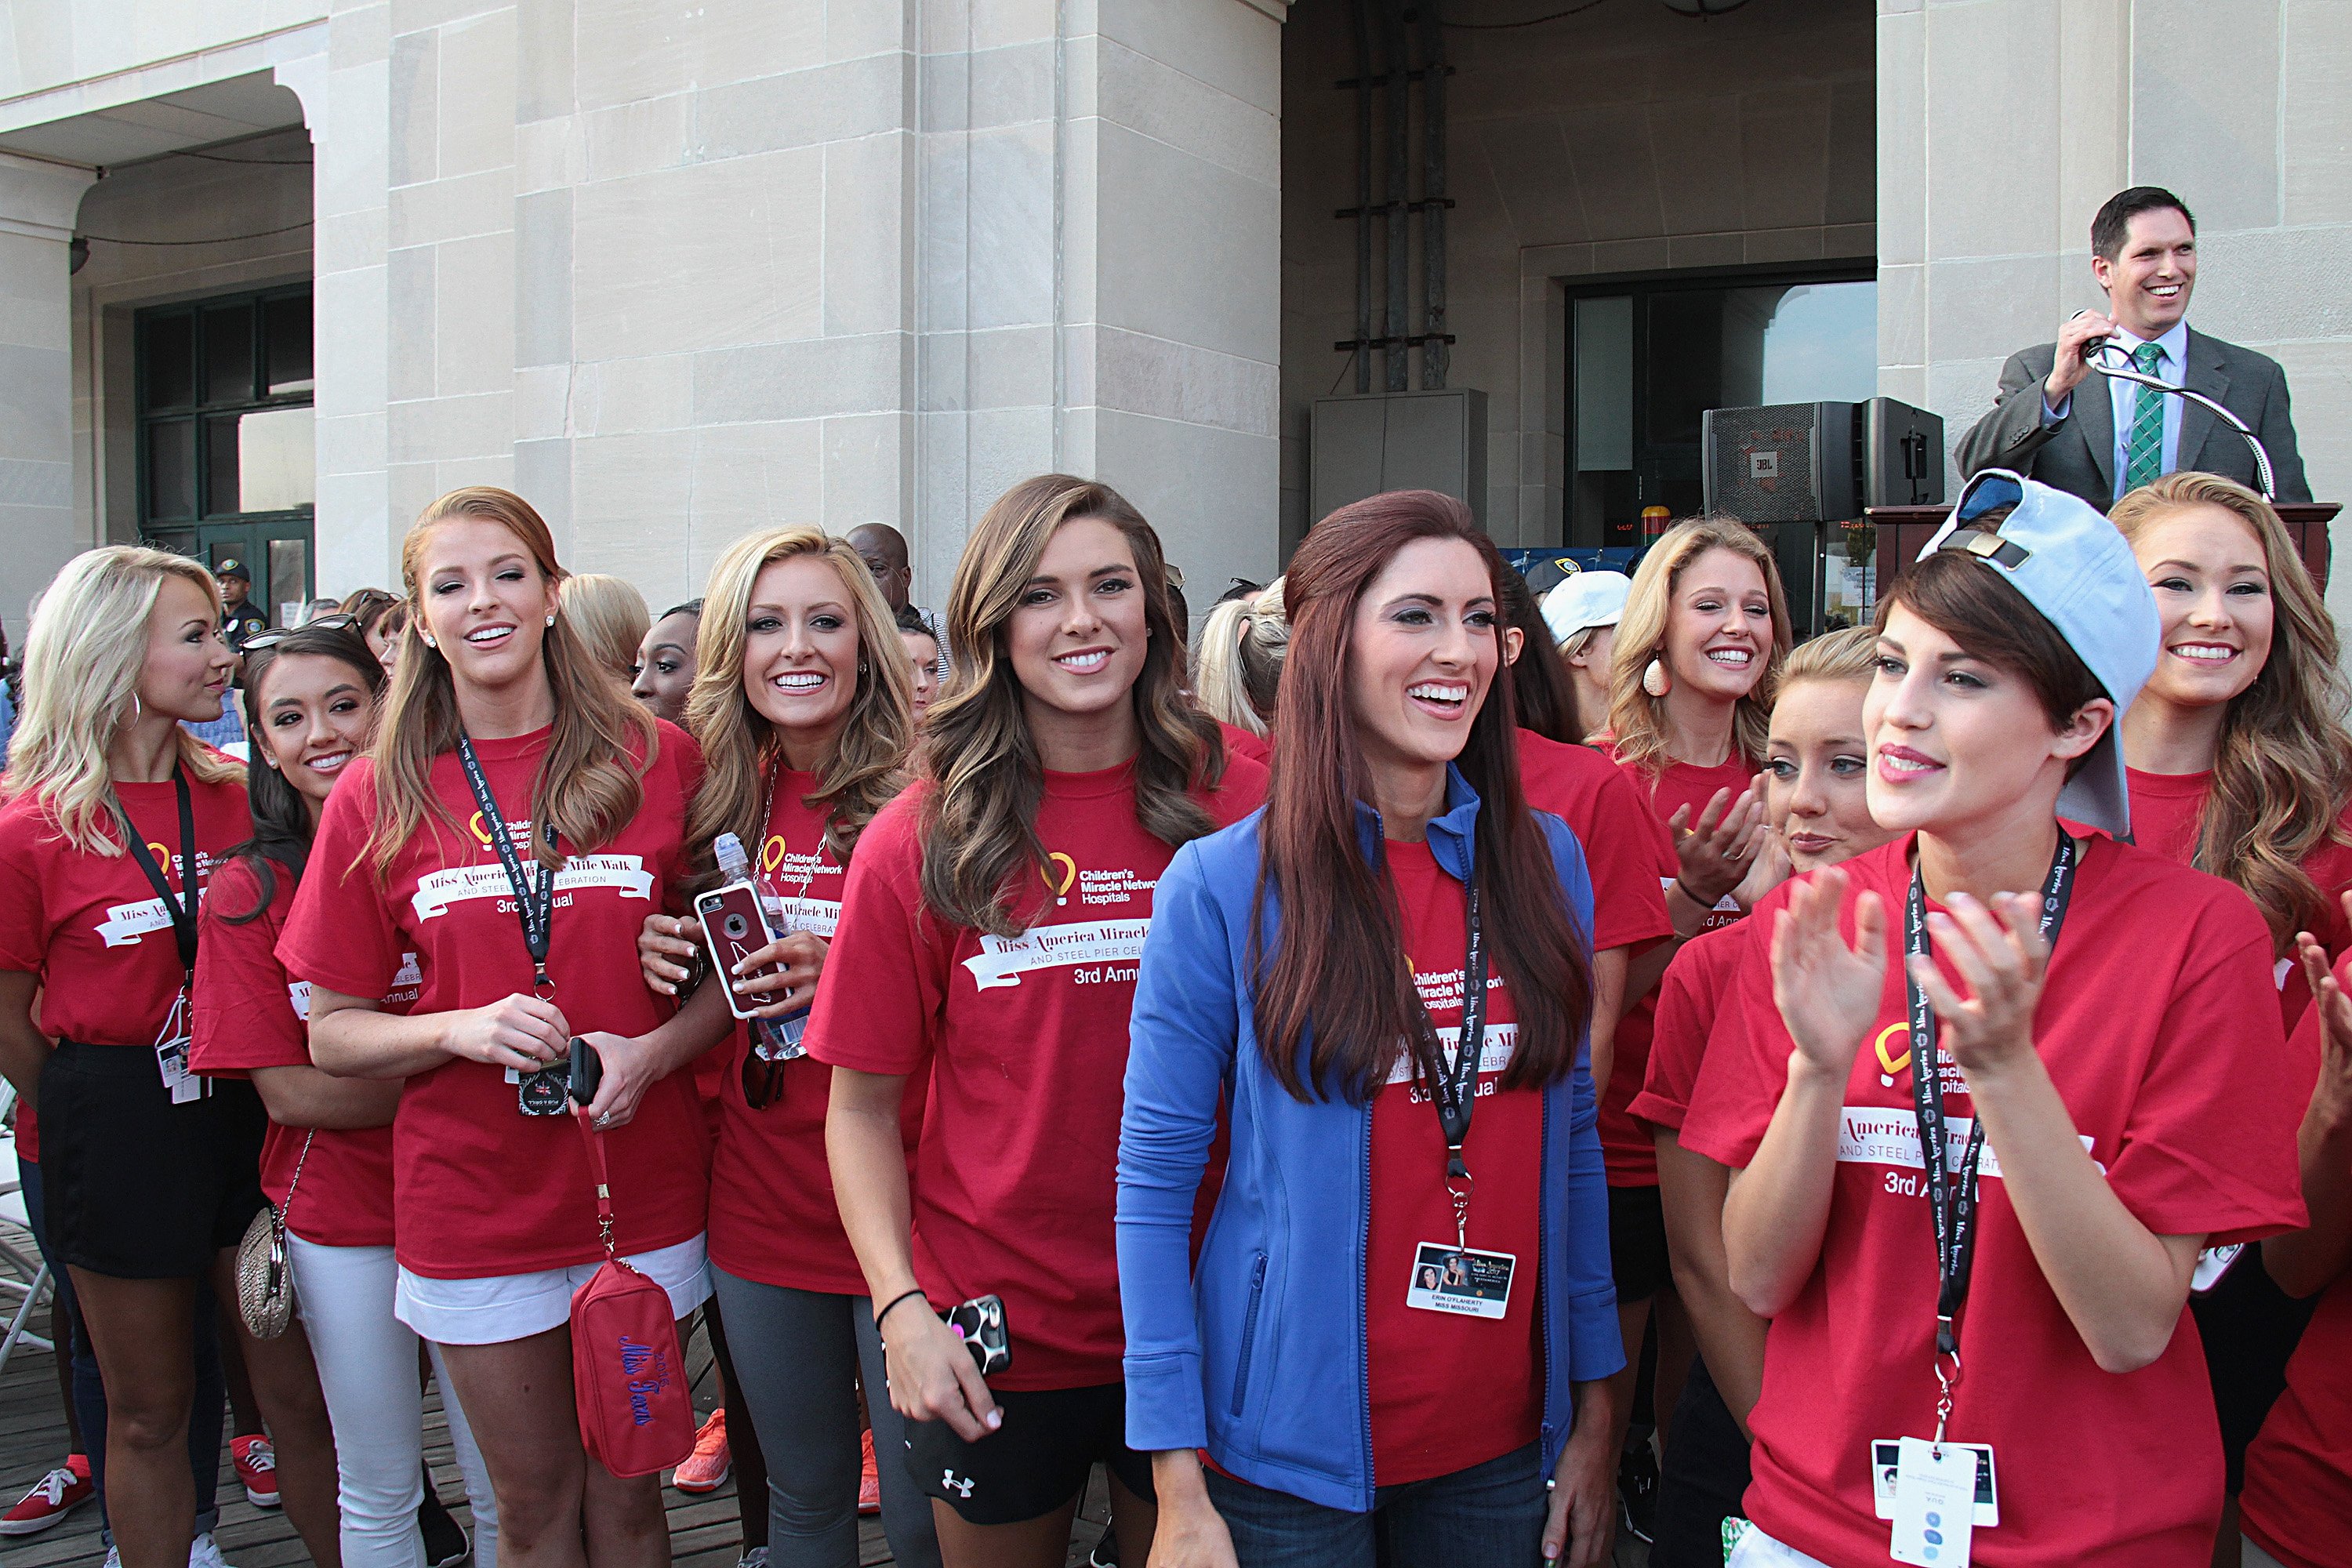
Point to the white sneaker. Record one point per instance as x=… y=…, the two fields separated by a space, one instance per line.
x=115 y=1557
x=204 y=1552
x=755 y=1558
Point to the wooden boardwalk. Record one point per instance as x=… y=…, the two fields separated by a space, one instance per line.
x=704 y=1532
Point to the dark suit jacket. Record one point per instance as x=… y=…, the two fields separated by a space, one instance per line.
x=2077 y=453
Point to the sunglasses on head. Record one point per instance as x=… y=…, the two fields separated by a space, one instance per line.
x=337 y=621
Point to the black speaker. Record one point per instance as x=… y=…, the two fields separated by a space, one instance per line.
x=1784 y=462
x=1902 y=454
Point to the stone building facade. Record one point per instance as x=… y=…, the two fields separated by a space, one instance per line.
x=677 y=269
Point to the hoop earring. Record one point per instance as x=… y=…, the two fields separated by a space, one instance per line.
x=1655 y=679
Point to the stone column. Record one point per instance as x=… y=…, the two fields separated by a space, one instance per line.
x=38 y=203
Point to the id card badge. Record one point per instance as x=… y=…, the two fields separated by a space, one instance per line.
x=1935 y=1503
x=171 y=1055
x=1885 y=1461
x=1460 y=1281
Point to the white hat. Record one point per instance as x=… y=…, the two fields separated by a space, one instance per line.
x=2071 y=565
x=1584 y=600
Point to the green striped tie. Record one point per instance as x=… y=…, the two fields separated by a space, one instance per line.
x=2144 y=453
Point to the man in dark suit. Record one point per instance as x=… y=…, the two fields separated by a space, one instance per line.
x=2098 y=436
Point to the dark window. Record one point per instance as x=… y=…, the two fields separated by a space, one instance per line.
x=235 y=480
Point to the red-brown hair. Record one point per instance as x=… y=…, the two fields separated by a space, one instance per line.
x=1338 y=981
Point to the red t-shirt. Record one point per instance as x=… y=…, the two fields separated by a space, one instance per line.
x=1626 y=1146
x=1240 y=743
x=1609 y=816
x=2157 y=1026
x=91 y=925
x=1691 y=998
x=1424 y=1424
x=2167 y=811
x=249 y=1013
x=1026 y=1040
x=479 y=1189
x=772 y=1216
x=2297 y=1501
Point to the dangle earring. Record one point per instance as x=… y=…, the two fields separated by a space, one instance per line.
x=1655 y=679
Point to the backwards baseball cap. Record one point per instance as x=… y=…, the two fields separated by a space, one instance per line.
x=232 y=569
x=2071 y=565
x=1585 y=600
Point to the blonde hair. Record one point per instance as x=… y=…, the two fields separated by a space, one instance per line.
x=1238 y=672
x=980 y=818
x=82 y=662
x=1850 y=654
x=866 y=764
x=587 y=785
x=1637 y=721
x=2283 y=771
x=610 y=617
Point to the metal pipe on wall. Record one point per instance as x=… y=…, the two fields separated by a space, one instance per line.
x=1364 y=196
x=1395 y=329
x=1433 y=196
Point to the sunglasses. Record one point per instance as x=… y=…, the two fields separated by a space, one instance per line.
x=763 y=1071
x=338 y=622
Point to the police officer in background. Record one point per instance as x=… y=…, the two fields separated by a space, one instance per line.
x=240 y=618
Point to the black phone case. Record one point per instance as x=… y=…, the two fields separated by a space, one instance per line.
x=587 y=1071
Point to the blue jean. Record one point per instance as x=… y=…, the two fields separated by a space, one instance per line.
x=206 y=1419
x=1488 y=1516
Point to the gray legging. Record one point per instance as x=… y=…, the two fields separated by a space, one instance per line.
x=798 y=1355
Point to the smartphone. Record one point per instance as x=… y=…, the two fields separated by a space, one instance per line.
x=980 y=1323
x=734 y=927
x=586 y=1072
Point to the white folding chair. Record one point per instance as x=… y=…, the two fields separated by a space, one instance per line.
x=29 y=1286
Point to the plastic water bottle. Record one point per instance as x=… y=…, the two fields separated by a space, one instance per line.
x=778 y=1039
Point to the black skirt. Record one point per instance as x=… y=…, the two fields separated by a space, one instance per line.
x=137 y=1187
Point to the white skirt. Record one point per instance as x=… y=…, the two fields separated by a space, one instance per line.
x=507 y=1306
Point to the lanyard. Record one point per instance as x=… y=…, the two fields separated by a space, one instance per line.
x=535 y=904
x=183 y=909
x=1453 y=1087
x=1952 y=1191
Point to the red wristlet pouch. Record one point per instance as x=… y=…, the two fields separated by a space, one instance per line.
x=628 y=1375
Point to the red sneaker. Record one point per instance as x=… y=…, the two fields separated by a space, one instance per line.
x=706 y=1469
x=52 y=1497
x=869 y=1481
x=257 y=1467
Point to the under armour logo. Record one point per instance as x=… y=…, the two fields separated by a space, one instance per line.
x=961 y=1488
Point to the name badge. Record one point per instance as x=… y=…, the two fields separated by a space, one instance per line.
x=1460 y=1281
x=1886 y=1458
x=172 y=1056
x=1935 y=1512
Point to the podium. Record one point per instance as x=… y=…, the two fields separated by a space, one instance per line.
x=1902 y=531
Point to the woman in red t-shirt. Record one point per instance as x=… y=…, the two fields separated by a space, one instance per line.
x=311 y=700
x=518 y=817
x=2241 y=763
x=1694 y=666
x=802 y=706
x=989 y=929
x=150 y=1173
x=1814 y=764
x=2296 y=1509
x=2110 y=1093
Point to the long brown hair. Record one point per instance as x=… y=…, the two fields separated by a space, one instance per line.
x=2282 y=773
x=979 y=816
x=866 y=766
x=1637 y=721
x=604 y=741
x=1338 y=977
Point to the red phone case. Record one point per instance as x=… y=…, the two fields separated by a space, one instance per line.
x=734 y=927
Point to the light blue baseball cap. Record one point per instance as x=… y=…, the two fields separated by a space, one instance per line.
x=2070 y=563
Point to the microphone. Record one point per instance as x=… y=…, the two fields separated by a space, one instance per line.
x=2107 y=357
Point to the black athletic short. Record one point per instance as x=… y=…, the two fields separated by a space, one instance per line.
x=1701 y=1480
x=1035 y=1463
x=1637 y=1243
x=136 y=1187
x=2249 y=1326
